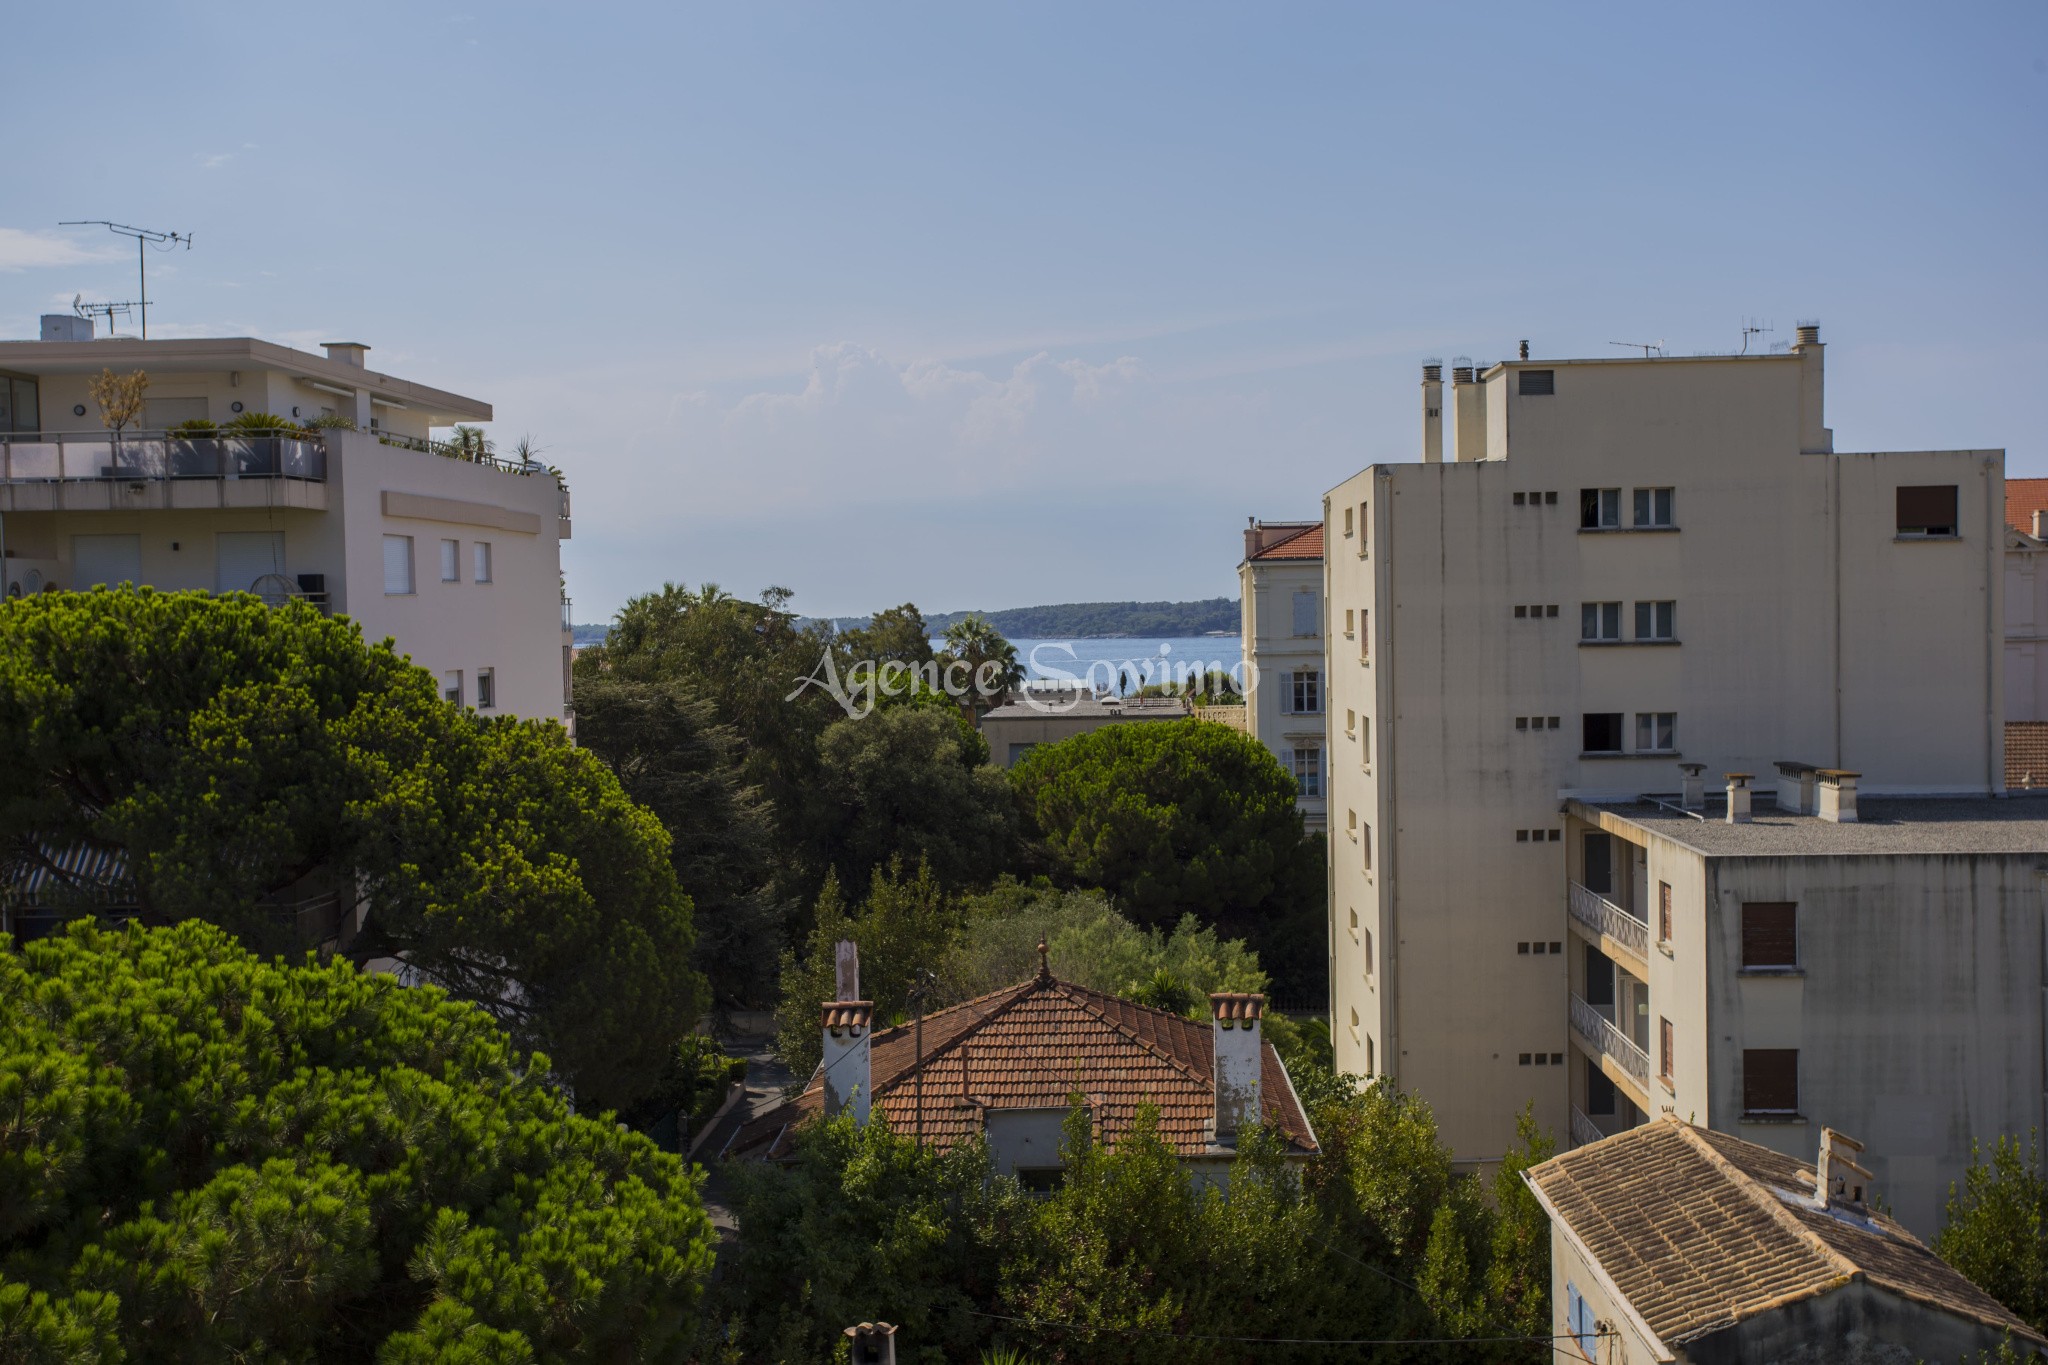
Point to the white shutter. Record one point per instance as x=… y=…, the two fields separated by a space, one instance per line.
x=105 y=559
x=1305 y=613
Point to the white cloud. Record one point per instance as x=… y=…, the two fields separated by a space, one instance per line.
x=24 y=249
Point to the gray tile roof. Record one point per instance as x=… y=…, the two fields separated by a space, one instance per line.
x=1888 y=825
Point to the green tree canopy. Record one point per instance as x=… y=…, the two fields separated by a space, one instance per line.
x=989 y=662
x=674 y=756
x=211 y=1157
x=235 y=754
x=906 y=782
x=1996 y=1228
x=1172 y=818
x=899 y=633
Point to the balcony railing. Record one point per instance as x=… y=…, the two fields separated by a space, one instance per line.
x=1596 y=1029
x=1603 y=916
x=1584 y=1131
x=467 y=453
x=568 y=619
x=100 y=457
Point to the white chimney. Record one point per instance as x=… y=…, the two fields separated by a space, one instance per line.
x=1838 y=795
x=1468 y=400
x=874 y=1343
x=1795 y=788
x=848 y=1027
x=1738 y=798
x=1433 y=412
x=1814 y=436
x=1837 y=1176
x=1239 y=1060
x=1692 y=788
x=347 y=352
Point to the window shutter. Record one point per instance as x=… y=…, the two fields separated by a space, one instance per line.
x=1305 y=613
x=1770 y=1080
x=1929 y=508
x=1770 y=934
x=1287 y=694
x=1538 y=383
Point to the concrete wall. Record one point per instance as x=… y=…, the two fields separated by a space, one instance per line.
x=1858 y=1324
x=1803 y=626
x=1272 y=650
x=1917 y=1009
x=257 y=390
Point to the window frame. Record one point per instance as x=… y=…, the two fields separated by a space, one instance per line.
x=1749 y=1091
x=1586 y=731
x=1295 y=601
x=1305 y=763
x=1667 y=1048
x=1925 y=525
x=1605 y=620
x=1663 y=912
x=1657 y=632
x=487 y=689
x=480 y=561
x=1305 y=693
x=452 y=692
x=1657 y=725
x=451 y=560
x=404 y=547
x=1602 y=506
x=1645 y=513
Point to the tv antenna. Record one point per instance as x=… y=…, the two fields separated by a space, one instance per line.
x=107 y=310
x=1648 y=348
x=144 y=239
x=1750 y=329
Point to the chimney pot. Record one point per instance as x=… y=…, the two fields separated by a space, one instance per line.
x=1795 y=788
x=1738 y=798
x=1809 y=334
x=1838 y=795
x=1239 y=1060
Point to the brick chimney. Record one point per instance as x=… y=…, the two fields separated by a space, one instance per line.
x=1738 y=798
x=1239 y=1060
x=848 y=1024
x=1838 y=795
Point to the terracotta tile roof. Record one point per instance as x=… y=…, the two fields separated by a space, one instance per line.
x=839 y=1014
x=1035 y=1046
x=1692 y=1228
x=1232 y=1005
x=2023 y=498
x=2026 y=754
x=1303 y=544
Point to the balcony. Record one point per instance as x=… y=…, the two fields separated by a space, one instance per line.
x=1623 y=1062
x=96 y=472
x=1584 y=1131
x=1612 y=929
x=568 y=619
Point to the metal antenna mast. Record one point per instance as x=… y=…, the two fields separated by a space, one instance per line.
x=1752 y=328
x=144 y=238
x=1647 y=347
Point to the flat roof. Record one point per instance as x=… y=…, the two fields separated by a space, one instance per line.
x=1887 y=825
x=1053 y=707
x=206 y=354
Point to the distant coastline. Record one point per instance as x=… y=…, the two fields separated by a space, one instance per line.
x=1213 y=616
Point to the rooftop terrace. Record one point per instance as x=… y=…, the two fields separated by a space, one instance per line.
x=1887 y=825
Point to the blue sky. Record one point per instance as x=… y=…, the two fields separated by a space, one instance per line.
x=991 y=305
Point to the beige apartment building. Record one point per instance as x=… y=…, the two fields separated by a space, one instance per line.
x=1280 y=603
x=1620 y=566
x=458 y=560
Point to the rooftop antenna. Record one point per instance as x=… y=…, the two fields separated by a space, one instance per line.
x=107 y=310
x=144 y=239
x=1647 y=347
x=1752 y=328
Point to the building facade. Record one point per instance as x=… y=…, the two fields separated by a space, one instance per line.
x=1280 y=597
x=455 y=556
x=1619 y=566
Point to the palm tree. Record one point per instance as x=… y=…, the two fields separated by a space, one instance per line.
x=990 y=660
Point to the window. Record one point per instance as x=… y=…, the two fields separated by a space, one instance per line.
x=1770 y=1080
x=1364 y=529
x=480 y=561
x=451 y=561
x=1371 y=1061
x=1347 y=521
x=1368 y=951
x=1305 y=613
x=1602 y=732
x=1653 y=507
x=1350 y=721
x=1537 y=383
x=1365 y=740
x=1305 y=694
x=1307 y=766
x=1656 y=732
x=1365 y=845
x=1354 y=1023
x=1354 y=932
x=486 y=688
x=1927 y=510
x=1364 y=635
x=1600 y=620
x=1521 y=613
x=397 y=565
x=1018 y=751
x=1663 y=912
x=1665 y=1064
x=1580 y=1322
x=1351 y=823
x=451 y=686
x=1599 y=508
x=1349 y=621
x=1770 y=934
x=1656 y=620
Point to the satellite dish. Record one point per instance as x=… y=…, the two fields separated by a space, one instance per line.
x=275 y=589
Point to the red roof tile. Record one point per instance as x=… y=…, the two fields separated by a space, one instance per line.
x=2023 y=498
x=2026 y=754
x=1303 y=544
x=1036 y=1046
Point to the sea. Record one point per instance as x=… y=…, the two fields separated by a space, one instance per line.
x=1159 y=659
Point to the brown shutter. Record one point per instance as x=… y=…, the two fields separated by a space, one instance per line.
x=1770 y=934
x=1665 y=1064
x=1928 y=507
x=1770 y=1080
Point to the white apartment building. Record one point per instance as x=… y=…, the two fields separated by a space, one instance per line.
x=457 y=560
x=1280 y=603
x=1623 y=565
